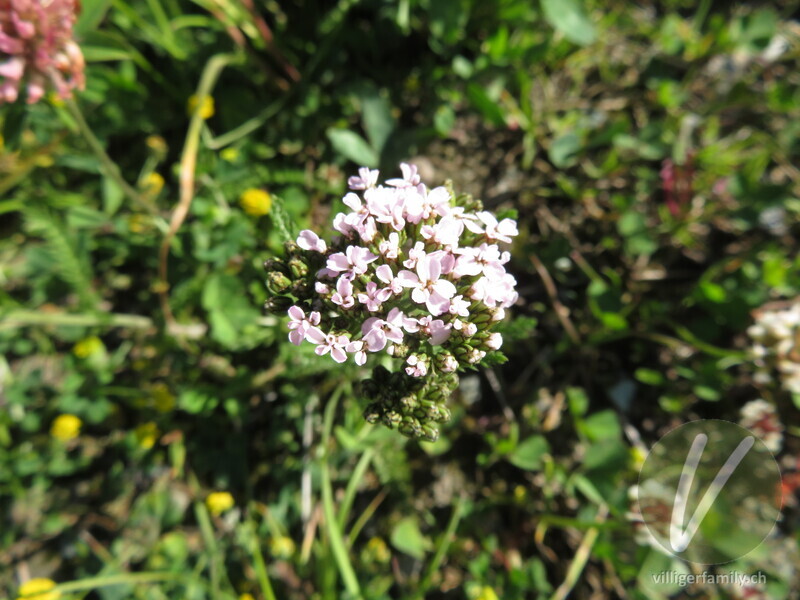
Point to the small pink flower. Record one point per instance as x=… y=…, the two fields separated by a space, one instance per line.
x=377 y=332
x=299 y=324
x=353 y=261
x=360 y=210
x=459 y=306
x=364 y=180
x=502 y=231
x=357 y=349
x=435 y=329
x=386 y=207
x=343 y=296
x=426 y=286
x=373 y=297
x=410 y=177
x=494 y=341
x=36 y=37
x=308 y=240
x=486 y=259
x=414 y=255
x=384 y=273
x=416 y=366
x=445 y=233
x=335 y=344
x=390 y=248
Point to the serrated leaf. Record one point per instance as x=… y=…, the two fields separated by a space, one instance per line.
x=353 y=146
x=283 y=222
x=568 y=17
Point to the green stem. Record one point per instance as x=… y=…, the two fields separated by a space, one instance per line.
x=352 y=486
x=335 y=537
x=441 y=549
x=92 y=583
x=24 y=318
x=260 y=566
x=109 y=166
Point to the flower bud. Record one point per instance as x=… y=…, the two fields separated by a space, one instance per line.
x=278 y=304
x=298 y=267
x=430 y=433
x=398 y=350
x=494 y=341
x=446 y=362
x=276 y=264
x=277 y=282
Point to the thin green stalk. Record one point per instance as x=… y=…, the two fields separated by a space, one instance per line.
x=109 y=166
x=335 y=535
x=336 y=540
x=581 y=557
x=92 y=583
x=260 y=566
x=441 y=549
x=352 y=486
x=24 y=318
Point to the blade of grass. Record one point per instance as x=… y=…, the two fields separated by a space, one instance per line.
x=92 y=583
x=441 y=548
x=335 y=538
x=259 y=565
x=352 y=486
x=109 y=166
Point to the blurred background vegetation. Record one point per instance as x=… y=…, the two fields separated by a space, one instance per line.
x=159 y=437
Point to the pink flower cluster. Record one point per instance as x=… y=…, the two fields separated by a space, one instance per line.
x=415 y=273
x=37 y=48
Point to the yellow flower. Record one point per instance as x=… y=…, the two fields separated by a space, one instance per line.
x=377 y=550
x=88 y=346
x=229 y=154
x=44 y=160
x=246 y=596
x=163 y=399
x=219 y=502
x=153 y=184
x=38 y=589
x=519 y=493
x=204 y=106
x=55 y=99
x=66 y=427
x=138 y=223
x=282 y=547
x=255 y=202
x=487 y=593
x=146 y=435
x=157 y=144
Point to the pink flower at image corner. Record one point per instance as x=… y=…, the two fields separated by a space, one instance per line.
x=37 y=49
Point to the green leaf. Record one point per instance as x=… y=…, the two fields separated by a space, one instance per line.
x=603 y=425
x=569 y=18
x=407 y=538
x=353 y=146
x=563 y=150
x=283 y=222
x=528 y=455
x=578 y=401
x=649 y=376
x=490 y=110
x=378 y=119
x=92 y=13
